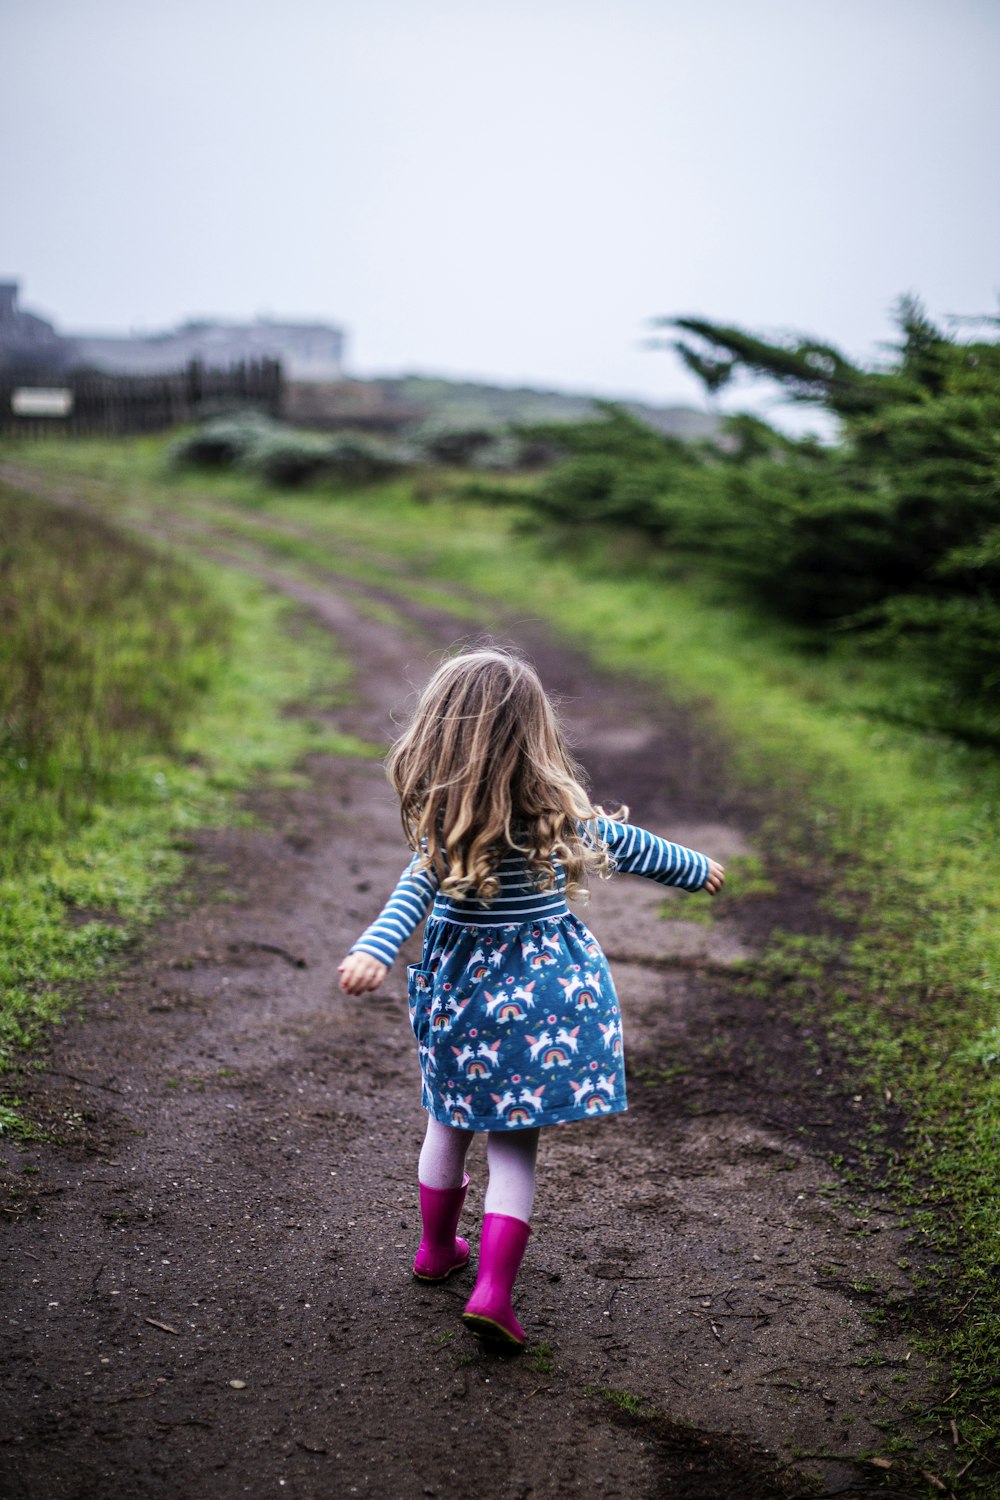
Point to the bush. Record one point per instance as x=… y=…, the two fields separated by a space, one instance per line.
x=362 y=460
x=503 y=454
x=953 y=641
x=453 y=443
x=222 y=442
x=283 y=456
x=893 y=533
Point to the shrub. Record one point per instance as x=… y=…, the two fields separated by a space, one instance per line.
x=892 y=533
x=362 y=460
x=284 y=457
x=222 y=442
x=503 y=454
x=453 y=443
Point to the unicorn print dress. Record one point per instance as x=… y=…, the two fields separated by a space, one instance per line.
x=512 y=1004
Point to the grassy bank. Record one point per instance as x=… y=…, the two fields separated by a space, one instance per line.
x=903 y=823
x=140 y=694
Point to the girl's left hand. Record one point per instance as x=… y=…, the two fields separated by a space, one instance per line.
x=360 y=972
x=716 y=878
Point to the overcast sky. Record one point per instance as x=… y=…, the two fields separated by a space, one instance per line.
x=507 y=189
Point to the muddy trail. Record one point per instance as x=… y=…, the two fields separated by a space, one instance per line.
x=208 y=1287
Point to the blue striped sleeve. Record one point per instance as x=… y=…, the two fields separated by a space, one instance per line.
x=635 y=851
x=404 y=910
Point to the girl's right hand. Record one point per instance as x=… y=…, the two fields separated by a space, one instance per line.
x=360 y=972
x=716 y=878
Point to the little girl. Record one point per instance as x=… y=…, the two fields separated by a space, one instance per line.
x=512 y=1004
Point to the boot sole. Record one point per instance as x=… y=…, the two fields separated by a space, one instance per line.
x=444 y=1277
x=490 y=1331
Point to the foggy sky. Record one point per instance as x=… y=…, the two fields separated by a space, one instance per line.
x=502 y=189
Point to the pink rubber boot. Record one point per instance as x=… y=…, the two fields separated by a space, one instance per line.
x=488 y=1311
x=441 y=1249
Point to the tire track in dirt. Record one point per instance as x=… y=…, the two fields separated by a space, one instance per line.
x=237 y=1203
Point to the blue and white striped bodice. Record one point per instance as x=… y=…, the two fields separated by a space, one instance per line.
x=518 y=900
x=634 y=851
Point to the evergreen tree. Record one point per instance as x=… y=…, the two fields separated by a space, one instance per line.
x=892 y=533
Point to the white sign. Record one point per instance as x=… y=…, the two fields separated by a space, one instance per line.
x=41 y=401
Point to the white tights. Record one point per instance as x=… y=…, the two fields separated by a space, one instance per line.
x=510 y=1155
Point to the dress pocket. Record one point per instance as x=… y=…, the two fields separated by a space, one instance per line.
x=419 y=994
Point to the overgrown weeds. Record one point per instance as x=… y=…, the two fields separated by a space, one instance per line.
x=139 y=694
x=106 y=645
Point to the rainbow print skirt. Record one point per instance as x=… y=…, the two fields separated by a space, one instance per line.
x=516 y=1026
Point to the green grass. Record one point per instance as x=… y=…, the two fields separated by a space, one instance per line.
x=141 y=694
x=901 y=826
x=626 y=1401
x=541 y=1357
x=105 y=644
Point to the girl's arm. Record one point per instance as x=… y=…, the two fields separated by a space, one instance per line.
x=365 y=966
x=636 y=851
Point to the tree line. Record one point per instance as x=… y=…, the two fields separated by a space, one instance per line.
x=887 y=538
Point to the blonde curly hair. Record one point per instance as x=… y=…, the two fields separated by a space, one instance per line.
x=483 y=768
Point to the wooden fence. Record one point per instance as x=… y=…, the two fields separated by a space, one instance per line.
x=86 y=402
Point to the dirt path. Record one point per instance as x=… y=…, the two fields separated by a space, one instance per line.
x=208 y=1290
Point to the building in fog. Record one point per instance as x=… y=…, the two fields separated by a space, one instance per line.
x=27 y=342
x=307 y=351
